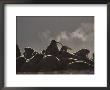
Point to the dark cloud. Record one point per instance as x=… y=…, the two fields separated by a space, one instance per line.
x=74 y=31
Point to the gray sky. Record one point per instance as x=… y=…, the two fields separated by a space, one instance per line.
x=36 y=32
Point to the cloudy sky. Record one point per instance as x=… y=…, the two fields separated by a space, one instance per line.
x=36 y=32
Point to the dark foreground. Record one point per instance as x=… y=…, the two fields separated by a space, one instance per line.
x=54 y=61
x=60 y=72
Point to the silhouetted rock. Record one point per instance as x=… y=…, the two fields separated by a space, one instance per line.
x=52 y=59
x=32 y=65
x=28 y=52
x=82 y=54
x=52 y=49
x=19 y=63
x=18 y=53
x=78 y=66
x=49 y=63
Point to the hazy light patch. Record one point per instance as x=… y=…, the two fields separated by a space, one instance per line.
x=78 y=34
x=81 y=37
x=83 y=31
x=62 y=36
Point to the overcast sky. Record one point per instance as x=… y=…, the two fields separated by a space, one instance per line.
x=36 y=32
